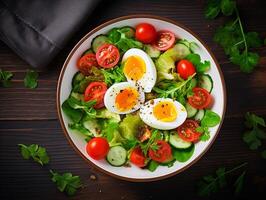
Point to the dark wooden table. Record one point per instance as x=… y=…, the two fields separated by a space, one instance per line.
x=29 y=116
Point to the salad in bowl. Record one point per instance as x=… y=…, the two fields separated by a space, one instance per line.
x=141 y=98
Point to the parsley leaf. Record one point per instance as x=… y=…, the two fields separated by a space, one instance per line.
x=151 y=143
x=254 y=136
x=227 y=7
x=212 y=183
x=36 y=152
x=5 y=78
x=30 y=80
x=114 y=75
x=66 y=182
x=239 y=183
x=212 y=9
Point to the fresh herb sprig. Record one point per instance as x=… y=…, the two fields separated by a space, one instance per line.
x=31 y=79
x=151 y=143
x=255 y=134
x=36 y=152
x=231 y=36
x=114 y=75
x=66 y=182
x=212 y=183
x=5 y=78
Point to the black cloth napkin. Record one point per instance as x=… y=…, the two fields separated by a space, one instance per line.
x=37 y=29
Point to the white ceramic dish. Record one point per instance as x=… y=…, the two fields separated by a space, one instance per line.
x=69 y=69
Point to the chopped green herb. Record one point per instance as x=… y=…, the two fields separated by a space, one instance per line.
x=66 y=182
x=5 y=78
x=30 y=80
x=114 y=75
x=36 y=152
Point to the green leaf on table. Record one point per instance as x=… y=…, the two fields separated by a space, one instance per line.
x=30 y=80
x=239 y=183
x=36 y=152
x=253 y=39
x=183 y=155
x=5 y=78
x=66 y=182
x=212 y=9
x=210 y=119
x=228 y=7
x=220 y=173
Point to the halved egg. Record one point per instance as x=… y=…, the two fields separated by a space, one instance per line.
x=123 y=98
x=163 y=113
x=139 y=68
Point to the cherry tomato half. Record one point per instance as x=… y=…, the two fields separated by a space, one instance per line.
x=137 y=157
x=97 y=148
x=200 y=99
x=185 y=69
x=86 y=62
x=96 y=91
x=107 y=55
x=187 y=131
x=165 y=40
x=162 y=153
x=145 y=33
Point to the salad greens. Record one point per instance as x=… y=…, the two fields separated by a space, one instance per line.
x=211 y=184
x=201 y=67
x=36 y=152
x=66 y=182
x=114 y=75
x=231 y=36
x=5 y=78
x=30 y=80
x=183 y=155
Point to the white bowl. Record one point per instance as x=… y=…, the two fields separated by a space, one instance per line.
x=134 y=173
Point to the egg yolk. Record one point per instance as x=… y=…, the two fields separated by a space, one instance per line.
x=126 y=99
x=165 y=111
x=134 y=68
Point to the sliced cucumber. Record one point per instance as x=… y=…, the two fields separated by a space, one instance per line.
x=129 y=31
x=177 y=142
x=151 y=51
x=178 y=52
x=99 y=41
x=200 y=114
x=77 y=78
x=191 y=112
x=205 y=81
x=117 y=156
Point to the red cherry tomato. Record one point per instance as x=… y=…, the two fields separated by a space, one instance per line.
x=137 y=157
x=187 y=131
x=107 y=55
x=185 y=69
x=145 y=33
x=165 y=40
x=96 y=91
x=162 y=153
x=86 y=62
x=200 y=99
x=97 y=148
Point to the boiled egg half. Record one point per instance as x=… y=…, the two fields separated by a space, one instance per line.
x=139 y=69
x=163 y=113
x=123 y=98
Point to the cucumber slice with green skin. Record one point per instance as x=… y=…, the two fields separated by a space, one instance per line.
x=191 y=112
x=77 y=78
x=129 y=31
x=151 y=51
x=87 y=51
x=117 y=156
x=99 y=41
x=200 y=114
x=177 y=142
x=205 y=81
x=177 y=52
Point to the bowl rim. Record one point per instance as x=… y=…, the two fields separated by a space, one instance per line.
x=62 y=72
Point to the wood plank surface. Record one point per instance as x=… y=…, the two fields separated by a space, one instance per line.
x=29 y=116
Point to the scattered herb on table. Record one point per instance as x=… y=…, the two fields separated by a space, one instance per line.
x=212 y=183
x=66 y=182
x=30 y=80
x=231 y=36
x=255 y=134
x=5 y=78
x=36 y=152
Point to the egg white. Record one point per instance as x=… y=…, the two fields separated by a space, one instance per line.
x=147 y=116
x=148 y=80
x=113 y=91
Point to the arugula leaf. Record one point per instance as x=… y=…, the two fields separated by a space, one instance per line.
x=210 y=119
x=30 y=80
x=183 y=155
x=66 y=182
x=114 y=75
x=153 y=165
x=5 y=78
x=239 y=183
x=211 y=184
x=201 y=67
x=254 y=136
x=36 y=152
